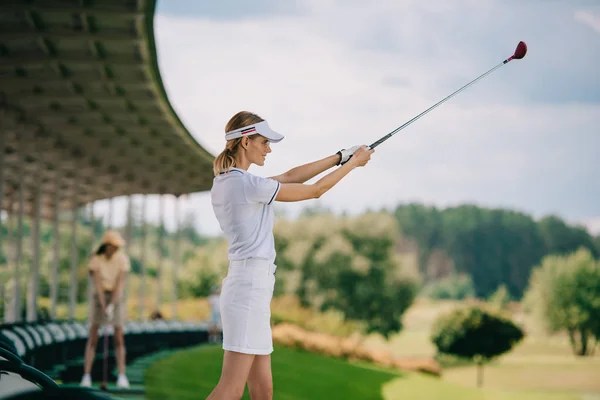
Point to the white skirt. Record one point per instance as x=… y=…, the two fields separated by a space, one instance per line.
x=245 y=305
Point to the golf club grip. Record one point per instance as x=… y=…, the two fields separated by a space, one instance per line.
x=383 y=139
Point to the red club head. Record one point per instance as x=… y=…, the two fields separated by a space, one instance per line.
x=520 y=51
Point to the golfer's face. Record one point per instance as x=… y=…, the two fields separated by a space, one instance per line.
x=258 y=148
x=111 y=249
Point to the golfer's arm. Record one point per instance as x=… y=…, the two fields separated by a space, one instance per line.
x=118 y=287
x=98 y=286
x=308 y=171
x=298 y=191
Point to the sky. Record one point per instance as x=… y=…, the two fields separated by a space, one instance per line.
x=330 y=74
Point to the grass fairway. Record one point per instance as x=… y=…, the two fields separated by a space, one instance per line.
x=419 y=387
x=298 y=375
x=541 y=364
x=192 y=374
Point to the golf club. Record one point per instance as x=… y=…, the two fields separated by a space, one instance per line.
x=104 y=384
x=519 y=53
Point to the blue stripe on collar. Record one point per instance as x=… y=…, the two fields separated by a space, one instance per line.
x=231 y=170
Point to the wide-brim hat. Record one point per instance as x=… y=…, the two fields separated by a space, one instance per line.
x=113 y=237
x=260 y=128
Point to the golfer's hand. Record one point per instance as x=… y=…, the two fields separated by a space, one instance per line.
x=361 y=157
x=110 y=311
x=345 y=154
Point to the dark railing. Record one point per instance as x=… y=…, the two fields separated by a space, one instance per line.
x=35 y=356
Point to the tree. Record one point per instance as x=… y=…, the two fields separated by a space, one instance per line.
x=371 y=299
x=563 y=292
x=206 y=267
x=501 y=297
x=347 y=264
x=561 y=238
x=476 y=334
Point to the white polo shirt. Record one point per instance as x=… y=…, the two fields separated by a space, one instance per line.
x=242 y=203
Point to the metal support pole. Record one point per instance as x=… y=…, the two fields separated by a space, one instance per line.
x=74 y=259
x=2 y=143
x=142 y=288
x=93 y=236
x=160 y=251
x=129 y=224
x=56 y=255
x=19 y=242
x=9 y=306
x=177 y=257
x=128 y=242
x=34 y=276
x=90 y=287
x=111 y=213
x=3 y=296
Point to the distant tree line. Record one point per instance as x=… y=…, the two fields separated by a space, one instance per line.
x=491 y=247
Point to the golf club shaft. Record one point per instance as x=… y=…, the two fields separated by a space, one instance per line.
x=105 y=363
x=392 y=133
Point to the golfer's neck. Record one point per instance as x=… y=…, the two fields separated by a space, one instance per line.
x=242 y=163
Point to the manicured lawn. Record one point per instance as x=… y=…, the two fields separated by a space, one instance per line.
x=192 y=374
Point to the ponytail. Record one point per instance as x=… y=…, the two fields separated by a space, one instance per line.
x=225 y=161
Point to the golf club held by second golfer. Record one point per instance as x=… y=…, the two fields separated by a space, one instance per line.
x=519 y=53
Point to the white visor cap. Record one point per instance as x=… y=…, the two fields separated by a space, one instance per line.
x=260 y=128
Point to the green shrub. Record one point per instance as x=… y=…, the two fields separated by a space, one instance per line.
x=476 y=334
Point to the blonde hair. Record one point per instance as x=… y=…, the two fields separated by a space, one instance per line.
x=226 y=160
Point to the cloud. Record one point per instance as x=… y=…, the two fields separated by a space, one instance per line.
x=229 y=10
x=589 y=19
x=337 y=74
x=592 y=225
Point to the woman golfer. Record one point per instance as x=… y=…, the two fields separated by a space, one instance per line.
x=242 y=203
x=108 y=267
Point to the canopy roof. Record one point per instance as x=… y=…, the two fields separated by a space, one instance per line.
x=83 y=104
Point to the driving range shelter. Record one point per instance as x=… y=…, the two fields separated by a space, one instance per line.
x=84 y=116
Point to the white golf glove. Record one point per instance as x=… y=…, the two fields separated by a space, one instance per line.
x=345 y=154
x=110 y=309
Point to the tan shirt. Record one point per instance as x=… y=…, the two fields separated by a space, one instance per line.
x=108 y=269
